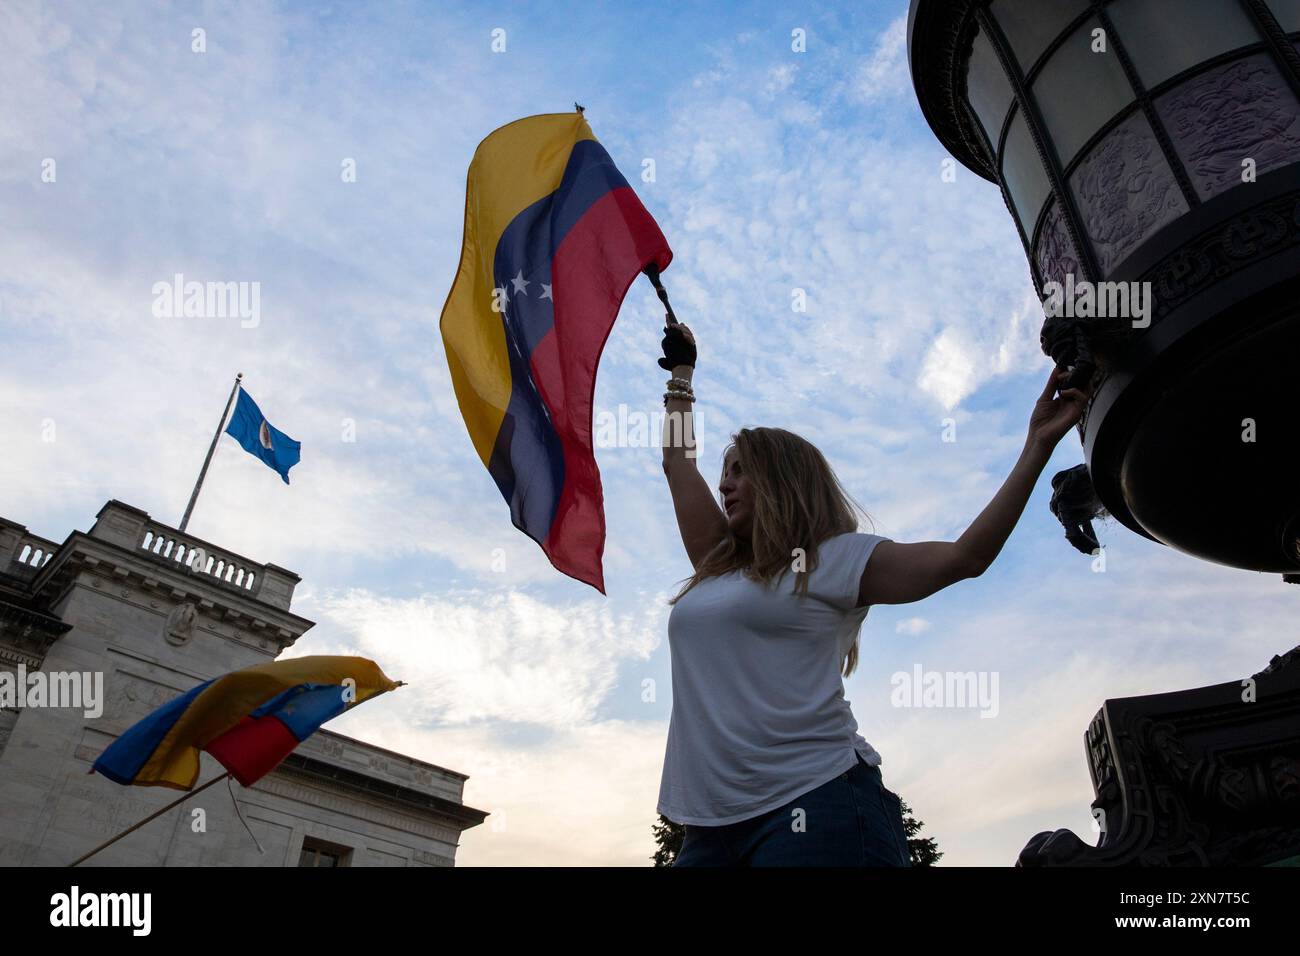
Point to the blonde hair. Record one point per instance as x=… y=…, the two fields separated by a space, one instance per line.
x=798 y=504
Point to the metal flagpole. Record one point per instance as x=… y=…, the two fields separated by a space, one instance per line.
x=189 y=509
x=152 y=816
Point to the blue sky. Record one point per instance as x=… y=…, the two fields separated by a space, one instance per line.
x=775 y=170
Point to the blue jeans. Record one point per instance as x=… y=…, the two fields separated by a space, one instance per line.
x=849 y=821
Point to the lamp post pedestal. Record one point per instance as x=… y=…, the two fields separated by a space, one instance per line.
x=1204 y=777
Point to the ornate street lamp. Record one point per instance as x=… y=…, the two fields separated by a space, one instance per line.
x=1152 y=141
x=1155 y=145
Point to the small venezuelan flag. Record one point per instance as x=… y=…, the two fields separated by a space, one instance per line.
x=554 y=236
x=249 y=720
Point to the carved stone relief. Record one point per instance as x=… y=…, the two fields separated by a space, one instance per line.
x=1056 y=255
x=1230 y=120
x=180 y=624
x=1125 y=191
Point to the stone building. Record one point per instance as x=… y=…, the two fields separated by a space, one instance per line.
x=156 y=612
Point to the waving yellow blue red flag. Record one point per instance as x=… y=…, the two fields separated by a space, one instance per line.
x=554 y=236
x=249 y=720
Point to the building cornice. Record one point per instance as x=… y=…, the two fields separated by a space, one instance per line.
x=464 y=816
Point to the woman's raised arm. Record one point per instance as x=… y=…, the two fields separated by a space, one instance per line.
x=699 y=517
x=902 y=573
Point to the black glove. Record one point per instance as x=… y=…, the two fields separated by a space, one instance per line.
x=678 y=349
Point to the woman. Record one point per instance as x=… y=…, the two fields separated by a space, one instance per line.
x=764 y=764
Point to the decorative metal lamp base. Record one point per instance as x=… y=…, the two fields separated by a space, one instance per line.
x=1204 y=777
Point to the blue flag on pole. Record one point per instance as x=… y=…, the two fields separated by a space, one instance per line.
x=260 y=438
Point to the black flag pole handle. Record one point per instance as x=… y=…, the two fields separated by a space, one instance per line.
x=652 y=273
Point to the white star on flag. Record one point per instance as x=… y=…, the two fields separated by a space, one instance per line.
x=520 y=284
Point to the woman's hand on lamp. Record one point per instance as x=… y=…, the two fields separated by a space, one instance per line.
x=1053 y=414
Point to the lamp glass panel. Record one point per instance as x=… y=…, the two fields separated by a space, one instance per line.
x=1024 y=175
x=1031 y=25
x=1078 y=90
x=987 y=88
x=1164 y=39
x=1287 y=13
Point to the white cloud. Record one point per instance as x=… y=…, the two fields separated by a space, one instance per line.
x=780 y=78
x=884 y=73
x=949 y=372
x=912 y=626
x=497 y=656
x=584 y=797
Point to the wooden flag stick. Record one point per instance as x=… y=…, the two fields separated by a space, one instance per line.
x=211 y=448
x=652 y=273
x=152 y=816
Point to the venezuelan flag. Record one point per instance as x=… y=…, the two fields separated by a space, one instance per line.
x=249 y=720
x=554 y=236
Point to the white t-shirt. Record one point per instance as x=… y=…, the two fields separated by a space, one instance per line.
x=759 y=715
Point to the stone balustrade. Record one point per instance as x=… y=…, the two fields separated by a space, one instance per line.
x=132 y=528
x=34 y=551
x=23 y=554
x=200 y=558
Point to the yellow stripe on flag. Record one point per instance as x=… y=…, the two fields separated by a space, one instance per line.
x=513 y=168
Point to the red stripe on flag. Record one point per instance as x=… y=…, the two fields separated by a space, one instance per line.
x=598 y=260
x=253 y=747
